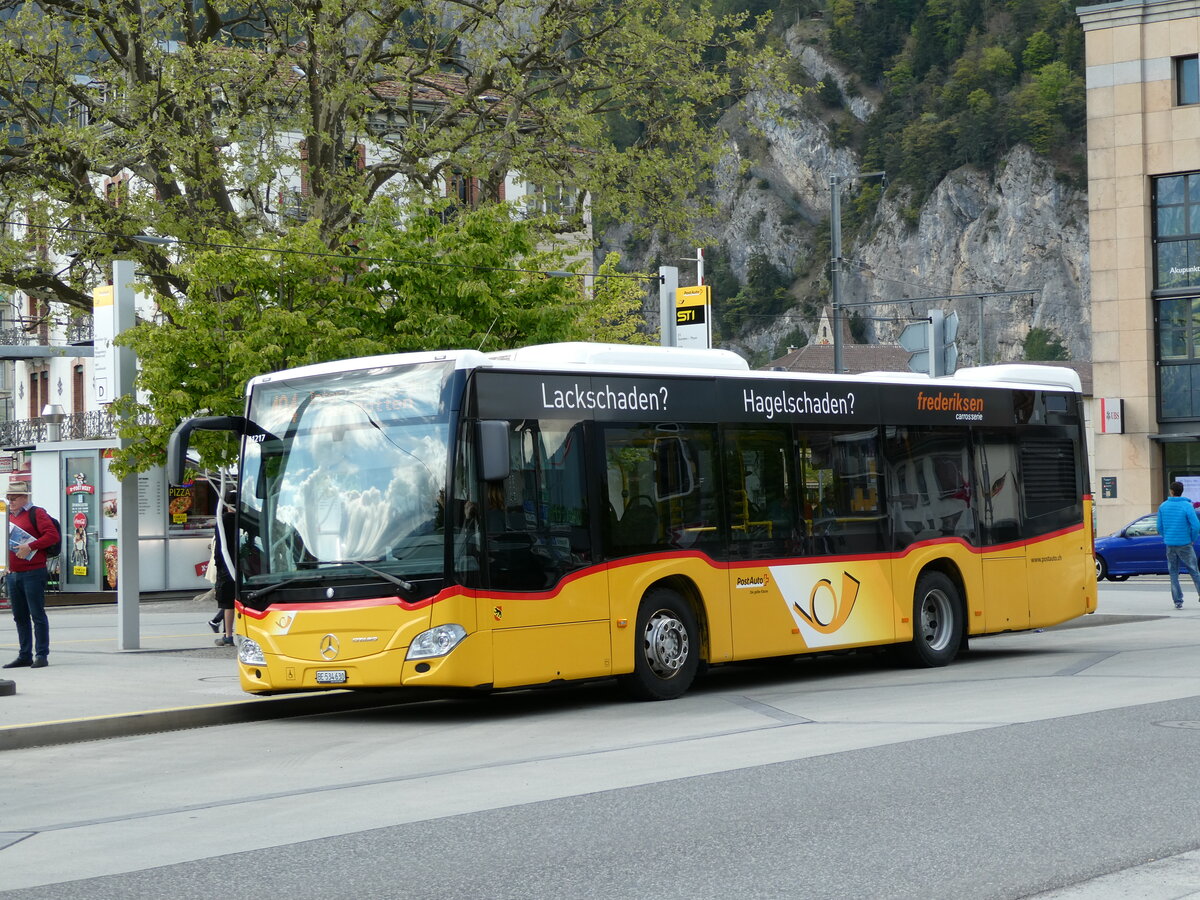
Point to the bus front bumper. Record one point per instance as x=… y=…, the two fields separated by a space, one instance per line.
x=468 y=664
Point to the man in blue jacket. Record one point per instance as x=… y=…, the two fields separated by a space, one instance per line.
x=1179 y=527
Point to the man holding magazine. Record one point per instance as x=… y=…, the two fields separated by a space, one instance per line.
x=30 y=532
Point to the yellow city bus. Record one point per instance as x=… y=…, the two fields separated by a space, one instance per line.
x=581 y=511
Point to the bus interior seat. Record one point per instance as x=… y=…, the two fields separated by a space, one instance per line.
x=639 y=525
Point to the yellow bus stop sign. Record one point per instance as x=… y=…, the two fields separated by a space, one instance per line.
x=692 y=316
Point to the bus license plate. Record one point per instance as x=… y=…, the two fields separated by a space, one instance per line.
x=331 y=676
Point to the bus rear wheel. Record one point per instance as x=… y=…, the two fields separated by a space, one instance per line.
x=937 y=621
x=667 y=654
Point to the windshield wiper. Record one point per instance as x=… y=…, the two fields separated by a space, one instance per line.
x=387 y=576
x=287 y=582
x=406 y=586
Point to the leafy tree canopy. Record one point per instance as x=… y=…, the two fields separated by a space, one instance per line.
x=478 y=279
x=1043 y=345
x=963 y=81
x=217 y=108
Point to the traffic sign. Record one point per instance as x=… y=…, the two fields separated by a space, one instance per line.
x=931 y=343
x=915 y=337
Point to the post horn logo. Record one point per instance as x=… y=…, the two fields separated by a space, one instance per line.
x=826 y=613
x=329 y=646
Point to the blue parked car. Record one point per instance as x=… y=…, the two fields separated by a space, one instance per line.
x=1134 y=550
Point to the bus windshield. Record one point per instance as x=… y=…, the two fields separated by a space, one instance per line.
x=349 y=468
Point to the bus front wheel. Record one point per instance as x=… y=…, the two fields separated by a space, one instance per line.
x=667 y=653
x=937 y=621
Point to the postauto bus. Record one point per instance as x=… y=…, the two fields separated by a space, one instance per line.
x=583 y=511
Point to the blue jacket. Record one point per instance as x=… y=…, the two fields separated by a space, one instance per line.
x=1177 y=522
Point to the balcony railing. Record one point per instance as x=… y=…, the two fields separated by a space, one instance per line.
x=27 y=333
x=87 y=426
x=19 y=337
x=79 y=330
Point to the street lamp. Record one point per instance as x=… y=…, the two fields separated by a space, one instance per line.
x=835 y=252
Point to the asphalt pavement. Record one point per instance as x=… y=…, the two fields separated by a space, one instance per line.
x=179 y=679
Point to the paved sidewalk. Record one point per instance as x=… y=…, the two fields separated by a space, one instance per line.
x=179 y=679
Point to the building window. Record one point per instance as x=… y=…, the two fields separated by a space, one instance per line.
x=1187 y=80
x=78 y=398
x=1178 y=320
x=1176 y=200
x=463 y=188
x=39 y=392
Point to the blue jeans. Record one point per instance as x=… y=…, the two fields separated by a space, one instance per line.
x=27 y=594
x=1182 y=555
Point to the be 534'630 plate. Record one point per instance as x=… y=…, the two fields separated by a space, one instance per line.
x=331 y=676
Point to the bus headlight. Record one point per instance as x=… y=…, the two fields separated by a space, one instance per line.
x=436 y=641
x=250 y=652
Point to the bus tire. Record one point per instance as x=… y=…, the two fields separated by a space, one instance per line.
x=667 y=653
x=937 y=621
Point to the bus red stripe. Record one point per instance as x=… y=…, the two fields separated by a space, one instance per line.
x=456 y=590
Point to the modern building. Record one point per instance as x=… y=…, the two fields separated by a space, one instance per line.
x=1143 y=139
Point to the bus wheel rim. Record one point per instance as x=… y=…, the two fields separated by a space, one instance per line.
x=936 y=619
x=666 y=644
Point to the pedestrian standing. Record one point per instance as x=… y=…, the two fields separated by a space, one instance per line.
x=1179 y=528
x=224 y=546
x=27 y=575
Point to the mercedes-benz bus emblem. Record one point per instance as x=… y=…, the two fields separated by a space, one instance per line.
x=329 y=646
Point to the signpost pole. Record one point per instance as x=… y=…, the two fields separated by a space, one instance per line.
x=122 y=370
x=668 y=284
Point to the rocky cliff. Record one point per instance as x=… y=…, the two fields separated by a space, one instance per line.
x=1014 y=240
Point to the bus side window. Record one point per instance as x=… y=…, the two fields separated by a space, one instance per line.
x=661 y=487
x=929 y=488
x=997 y=475
x=632 y=509
x=841 y=491
x=760 y=492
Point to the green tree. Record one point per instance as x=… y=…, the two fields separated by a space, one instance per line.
x=977 y=128
x=1039 y=50
x=475 y=280
x=1042 y=345
x=211 y=105
x=764 y=295
x=794 y=339
x=1052 y=105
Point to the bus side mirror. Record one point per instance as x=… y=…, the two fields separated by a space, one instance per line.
x=493 y=449
x=177 y=444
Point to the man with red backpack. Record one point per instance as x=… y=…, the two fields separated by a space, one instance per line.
x=27 y=576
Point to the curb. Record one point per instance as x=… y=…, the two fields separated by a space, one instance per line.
x=70 y=731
